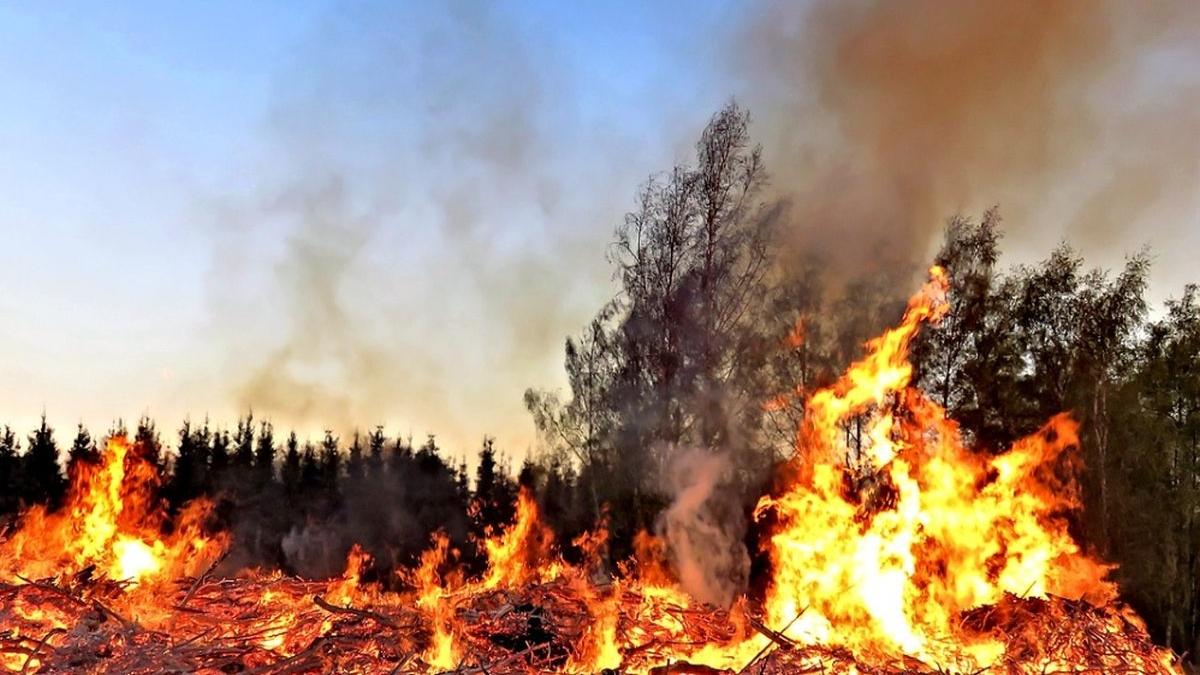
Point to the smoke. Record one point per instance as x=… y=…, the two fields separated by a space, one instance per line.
x=412 y=252
x=882 y=119
x=442 y=179
x=704 y=527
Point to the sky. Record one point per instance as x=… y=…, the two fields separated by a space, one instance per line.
x=342 y=214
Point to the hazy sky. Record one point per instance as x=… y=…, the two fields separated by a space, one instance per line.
x=366 y=213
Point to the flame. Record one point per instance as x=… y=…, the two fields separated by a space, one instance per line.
x=444 y=651
x=879 y=547
x=515 y=556
x=110 y=523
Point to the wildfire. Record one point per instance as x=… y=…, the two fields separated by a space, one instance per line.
x=881 y=545
x=109 y=524
x=893 y=548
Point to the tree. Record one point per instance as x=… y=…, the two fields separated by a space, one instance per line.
x=243 y=444
x=971 y=360
x=355 y=463
x=494 y=490
x=290 y=472
x=42 y=481
x=310 y=469
x=264 y=453
x=10 y=472
x=83 y=451
x=148 y=446
x=186 y=479
x=1155 y=444
x=376 y=441
x=219 y=457
x=331 y=461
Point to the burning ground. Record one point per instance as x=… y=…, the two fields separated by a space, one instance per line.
x=892 y=546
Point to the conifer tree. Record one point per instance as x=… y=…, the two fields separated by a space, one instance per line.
x=243 y=444
x=10 y=472
x=289 y=473
x=264 y=453
x=42 y=481
x=83 y=450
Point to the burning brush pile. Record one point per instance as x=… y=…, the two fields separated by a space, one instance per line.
x=901 y=552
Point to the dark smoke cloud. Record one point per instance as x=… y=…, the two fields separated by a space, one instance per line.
x=881 y=119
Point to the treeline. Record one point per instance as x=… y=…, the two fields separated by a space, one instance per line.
x=721 y=326
x=289 y=504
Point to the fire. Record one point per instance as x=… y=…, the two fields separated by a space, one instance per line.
x=110 y=524
x=893 y=548
x=444 y=651
x=880 y=546
x=515 y=555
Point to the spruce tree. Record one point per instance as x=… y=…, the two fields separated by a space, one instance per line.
x=291 y=469
x=42 y=479
x=10 y=472
x=355 y=464
x=264 y=453
x=243 y=444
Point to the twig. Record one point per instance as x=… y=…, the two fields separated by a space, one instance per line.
x=203 y=575
x=103 y=608
x=766 y=648
x=353 y=611
x=38 y=647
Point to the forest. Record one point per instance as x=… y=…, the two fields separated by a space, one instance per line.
x=696 y=373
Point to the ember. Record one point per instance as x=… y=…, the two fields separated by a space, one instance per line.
x=912 y=556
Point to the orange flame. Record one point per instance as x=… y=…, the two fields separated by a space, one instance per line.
x=880 y=546
x=109 y=523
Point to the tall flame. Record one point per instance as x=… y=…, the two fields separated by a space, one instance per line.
x=879 y=545
x=110 y=523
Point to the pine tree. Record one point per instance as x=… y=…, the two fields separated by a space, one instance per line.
x=264 y=454
x=310 y=469
x=355 y=464
x=376 y=442
x=202 y=442
x=219 y=459
x=494 y=490
x=184 y=484
x=463 y=481
x=148 y=446
x=42 y=479
x=243 y=444
x=83 y=451
x=10 y=472
x=290 y=472
x=331 y=461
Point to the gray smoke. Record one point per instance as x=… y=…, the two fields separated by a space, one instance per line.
x=704 y=527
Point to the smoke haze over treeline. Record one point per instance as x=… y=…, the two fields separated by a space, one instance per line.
x=407 y=220
x=480 y=222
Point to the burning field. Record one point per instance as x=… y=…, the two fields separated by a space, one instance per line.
x=904 y=551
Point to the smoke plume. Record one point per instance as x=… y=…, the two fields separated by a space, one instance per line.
x=882 y=119
x=412 y=254
x=704 y=527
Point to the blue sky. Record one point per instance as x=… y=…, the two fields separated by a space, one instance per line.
x=193 y=197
